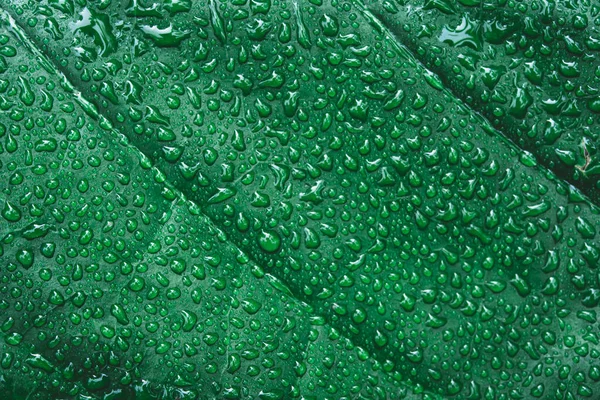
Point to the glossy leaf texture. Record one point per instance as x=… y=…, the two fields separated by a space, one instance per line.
x=260 y=199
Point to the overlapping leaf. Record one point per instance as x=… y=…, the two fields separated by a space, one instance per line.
x=325 y=153
x=531 y=67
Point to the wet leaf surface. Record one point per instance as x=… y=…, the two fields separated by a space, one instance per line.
x=257 y=199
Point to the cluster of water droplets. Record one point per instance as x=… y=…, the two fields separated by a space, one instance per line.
x=531 y=67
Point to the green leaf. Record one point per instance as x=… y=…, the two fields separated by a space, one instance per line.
x=275 y=200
